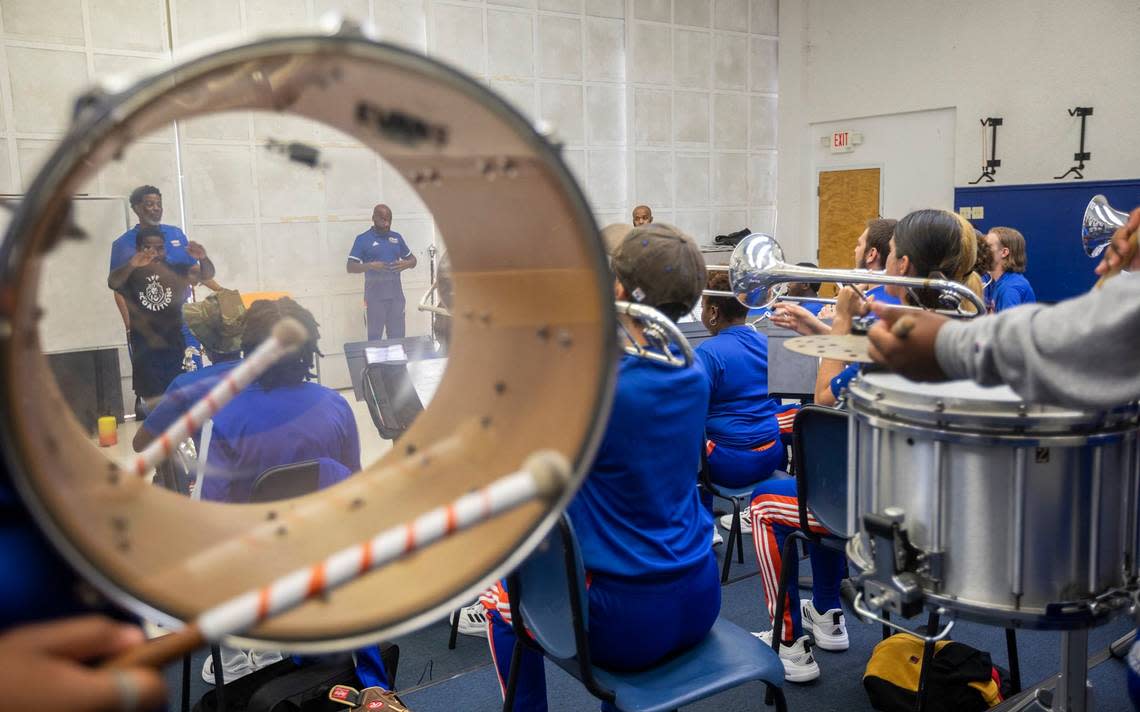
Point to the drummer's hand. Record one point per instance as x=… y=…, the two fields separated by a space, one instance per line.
x=1118 y=247
x=789 y=315
x=911 y=355
x=42 y=668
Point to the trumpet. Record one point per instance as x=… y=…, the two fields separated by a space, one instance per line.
x=661 y=334
x=758 y=276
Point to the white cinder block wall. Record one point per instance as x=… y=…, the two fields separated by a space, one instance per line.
x=667 y=102
x=1026 y=62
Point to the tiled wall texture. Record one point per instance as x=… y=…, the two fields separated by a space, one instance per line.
x=665 y=102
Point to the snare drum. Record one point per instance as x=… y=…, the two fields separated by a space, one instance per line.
x=1018 y=514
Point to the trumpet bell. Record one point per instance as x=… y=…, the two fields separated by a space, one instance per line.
x=754 y=260
x=1100 y=221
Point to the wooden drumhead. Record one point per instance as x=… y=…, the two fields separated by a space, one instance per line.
x=532 y=357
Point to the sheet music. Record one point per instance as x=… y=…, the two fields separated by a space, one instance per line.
x=385 y=354
x=426 y=375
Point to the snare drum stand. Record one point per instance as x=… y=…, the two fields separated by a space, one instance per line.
x=1071 y=682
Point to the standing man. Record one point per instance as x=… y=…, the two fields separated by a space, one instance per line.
x=1008 y=286
x=382 y=255
x=642 y=215
x=146 y=202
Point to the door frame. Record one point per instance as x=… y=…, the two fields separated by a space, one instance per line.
x=815 y=201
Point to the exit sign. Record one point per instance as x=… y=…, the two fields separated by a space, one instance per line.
x=841 y=142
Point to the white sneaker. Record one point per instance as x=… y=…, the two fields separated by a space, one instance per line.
x=828 y=629
x=235 y=664
x=717 y=538
x=472 y=620
x=745 y=521
x=799 y=663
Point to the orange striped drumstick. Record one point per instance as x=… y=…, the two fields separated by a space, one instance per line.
x=543 y=476
x=287 y=336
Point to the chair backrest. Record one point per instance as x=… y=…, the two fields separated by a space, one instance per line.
x=392 y=399
x=286 y=481
x=820 y=444
x=547 y=580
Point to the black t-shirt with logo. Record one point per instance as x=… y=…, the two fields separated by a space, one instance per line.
x=155 y=294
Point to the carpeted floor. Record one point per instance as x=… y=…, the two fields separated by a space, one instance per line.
x=434 y=679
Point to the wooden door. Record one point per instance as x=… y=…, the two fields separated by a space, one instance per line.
x=847 y=200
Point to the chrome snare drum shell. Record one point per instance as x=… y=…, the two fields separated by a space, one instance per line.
x=1019 y=509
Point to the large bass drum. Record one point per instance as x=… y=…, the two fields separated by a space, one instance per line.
x=972 y=499
x=531 y=359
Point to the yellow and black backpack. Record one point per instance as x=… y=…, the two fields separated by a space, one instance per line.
x=961 y=678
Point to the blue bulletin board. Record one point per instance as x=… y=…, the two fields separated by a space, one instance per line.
x=1049 y=215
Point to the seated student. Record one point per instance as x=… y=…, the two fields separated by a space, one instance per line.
x=742 y=431
x=1008 y=286
x=217 y=322
x=154 y=291
x=643 y=534
x=806 y=290
x=924 y=242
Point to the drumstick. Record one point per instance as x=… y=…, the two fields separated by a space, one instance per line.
x=544 y=475
x=903 y=326
x=287 y=336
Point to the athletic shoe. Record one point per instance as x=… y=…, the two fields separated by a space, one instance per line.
x=799 y=663
x=717 y=538
x=745 y=521
x=472 y=620
x=237 y=664
x=829 y=630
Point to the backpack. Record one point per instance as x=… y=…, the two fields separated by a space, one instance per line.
x=960 y=679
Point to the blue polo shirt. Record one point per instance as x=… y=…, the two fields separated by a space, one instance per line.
x=123 y=248
x=261 y=428
x=371 y=246
x=182 y=393
x=740 y=413
x=840 y=382
x=638 y=513
x=882 y=296
x=1009 y=290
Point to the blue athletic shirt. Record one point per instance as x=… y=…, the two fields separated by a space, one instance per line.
x=881 y=296
x=123 y=248
x=183 y=392
x=1009 y=290
x=840 y=382
x=260 y=429
x=639 y=513
x=741 y=415
x=371 y=246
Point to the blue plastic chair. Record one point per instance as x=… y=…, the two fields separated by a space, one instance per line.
x=548 y=599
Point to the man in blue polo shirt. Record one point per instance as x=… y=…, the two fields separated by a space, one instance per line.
x=381 y=255
x=1008 y=286
x=146 y=202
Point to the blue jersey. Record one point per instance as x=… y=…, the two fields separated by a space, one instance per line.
x=814 y=307
x=1009 y=290
x=262 y=428
x=741 y=415
x=123 y=248
x=370 y=246
x=840 y=382
x=182 y=393
x=638 y=513
x=881 y=296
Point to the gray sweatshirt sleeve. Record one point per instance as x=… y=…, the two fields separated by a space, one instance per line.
x=1083 y=352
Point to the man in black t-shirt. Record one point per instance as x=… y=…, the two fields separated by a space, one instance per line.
x=154 y=291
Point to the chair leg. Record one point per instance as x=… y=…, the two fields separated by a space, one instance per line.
x=454 y=630
x=776 y=695
x=219 y=678
x=185 y=683
x=1014 y=663
x=513 y=678
x=739 y=532
x=886 y=630
x=927 y=658
x=733 y=539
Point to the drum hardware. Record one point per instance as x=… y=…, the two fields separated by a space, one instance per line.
x=759 y=275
